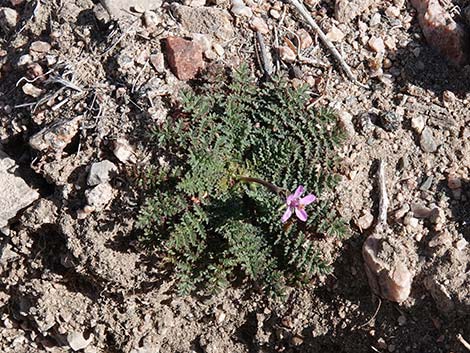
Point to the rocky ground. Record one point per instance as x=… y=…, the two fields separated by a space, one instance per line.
x=81 y=84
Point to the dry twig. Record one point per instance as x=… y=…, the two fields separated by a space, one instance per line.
x=311 y=22
x=383 y=201
x=375 y=314
x=462 y=340
x=263 y=56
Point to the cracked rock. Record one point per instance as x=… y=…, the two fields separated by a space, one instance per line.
x=55 y=137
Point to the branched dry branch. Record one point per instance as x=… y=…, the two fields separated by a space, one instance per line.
x=311 y=22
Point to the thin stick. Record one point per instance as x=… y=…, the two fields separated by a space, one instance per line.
x=311 y=22
x=383 y=202
x=373 y=316
x=462 y=340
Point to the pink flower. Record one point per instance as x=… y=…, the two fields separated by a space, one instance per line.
x=297 y=204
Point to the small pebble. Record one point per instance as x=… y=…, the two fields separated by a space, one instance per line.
x=392 y=11
x=335 y=34
x=418 y=123
x=411 y=221
x=427 y=141
x=40 y=47
x=345 y=122
x=158 y=62
x=239 y=9
x=274 y=13
x=376 y=44
x=31 y=90
x=259 y=25
x=375 y=19
x=8 y=18
x=461 y=244
x=365 y=221
x=427 y=183
x=381 y=343
x=306 y=40
x=287 y=54
x=297 y=340
x=123 y=151
x=402 y=211
x=219 y=49
x=151 y=21
x=25 y=59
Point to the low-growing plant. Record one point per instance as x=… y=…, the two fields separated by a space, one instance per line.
x=220 y=208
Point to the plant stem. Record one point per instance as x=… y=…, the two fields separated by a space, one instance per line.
x=265 y=183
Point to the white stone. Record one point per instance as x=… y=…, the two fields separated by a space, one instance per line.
x=259 y=25
x=77 y=342
x=15 y=194
x=100 y=172
x=99 y=196
x=335 y=34
x=418 y=123
x=239 y=9
x=461 y=244
x=31 y=90
x=120 y=8
x=376 y=44
x=392 y=11
x=219 y=49
x=123 y=151
x=8 y=18
x=365 y=222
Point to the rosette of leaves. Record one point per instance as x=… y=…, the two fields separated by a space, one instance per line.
x=214 y=228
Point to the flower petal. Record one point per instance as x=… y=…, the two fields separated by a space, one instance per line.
x=286 y=215
x=307 y=200
x=299 y=191
x=290 y=198
x=301 y=214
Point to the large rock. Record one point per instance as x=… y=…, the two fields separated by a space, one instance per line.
x=441 y=31
x=387 y=264
x=348 y=10
x=120 y=8
x=184 y=57
x=204 y=20
x=15 y=194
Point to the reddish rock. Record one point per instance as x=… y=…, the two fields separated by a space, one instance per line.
x=441 y=31
x=184 y=57
x=387 y=267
